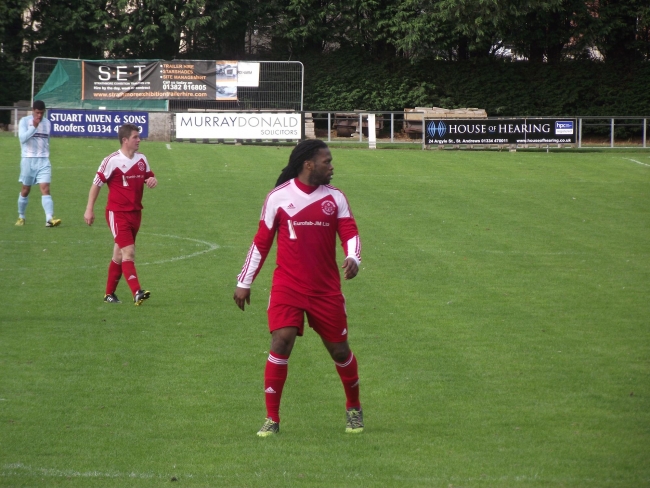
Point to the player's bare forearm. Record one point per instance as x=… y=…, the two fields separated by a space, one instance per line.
x=89 y=217
x=89 y=214
x=351 y=268
x=242 y=296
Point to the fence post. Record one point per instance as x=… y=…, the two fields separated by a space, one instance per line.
x=611 y=136
x=329 y=126
x=392 y=127
x=645 y=131
x=579 y=133
x=15 y=122
x=424 y=130
x=360 y=127
x=372 y=132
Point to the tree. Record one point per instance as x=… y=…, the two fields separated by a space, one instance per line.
x=63 y=28
x=446 y=29
x=622 y=28
x=14 y=67
x=223 y=35
x=549 y=30
x=146 y=28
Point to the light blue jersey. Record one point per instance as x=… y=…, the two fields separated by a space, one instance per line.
x=35 y=167
x=34 y=141
x=35 y=150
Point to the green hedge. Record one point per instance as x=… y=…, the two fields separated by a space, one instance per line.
x=349 y=81
x=341 y=81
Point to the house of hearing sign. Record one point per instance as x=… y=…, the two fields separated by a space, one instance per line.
x=500 y=131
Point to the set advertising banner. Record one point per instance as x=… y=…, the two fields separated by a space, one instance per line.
x=95 y=123
x=165 y=80
x=227 y=125
x=152 y=80
x=501 y=131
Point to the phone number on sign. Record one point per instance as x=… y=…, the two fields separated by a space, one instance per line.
x=103 y=129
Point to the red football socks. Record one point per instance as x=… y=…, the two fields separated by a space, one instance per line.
x=131 y=276
x=349 y=373
x=275 y=375
x=114 y=275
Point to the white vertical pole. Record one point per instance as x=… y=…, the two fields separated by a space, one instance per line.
x=31 y=103
x=645 y=131
x=360 y=127
x=392 y=127
x=302 y=84
x=329 y=126
x=424 y=131
x=372 y=134
x=611 y=137
x=579 y=133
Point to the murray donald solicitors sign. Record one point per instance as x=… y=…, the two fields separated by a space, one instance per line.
x=232 y=125
x=500 y=131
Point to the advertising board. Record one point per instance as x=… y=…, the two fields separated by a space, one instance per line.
x=500 y=131
x=95 y=123
x=232 y=125
x=168 y=80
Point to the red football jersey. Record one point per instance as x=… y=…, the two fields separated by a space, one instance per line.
x=306 y=225
x=125 y=179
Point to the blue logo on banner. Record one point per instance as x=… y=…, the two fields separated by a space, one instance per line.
x=564 y=127
x=433 y=129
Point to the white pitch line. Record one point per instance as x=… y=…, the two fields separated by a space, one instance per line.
x=18 y=470
x=637 y=162
x=523 y=253
x=211 y=247
x=21 y=469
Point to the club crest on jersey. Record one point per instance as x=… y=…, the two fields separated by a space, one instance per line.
x=328 y=207
x=141 y=165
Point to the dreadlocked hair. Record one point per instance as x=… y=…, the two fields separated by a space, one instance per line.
x=304 y=151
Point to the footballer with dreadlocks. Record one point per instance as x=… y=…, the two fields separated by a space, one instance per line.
x=306 y=213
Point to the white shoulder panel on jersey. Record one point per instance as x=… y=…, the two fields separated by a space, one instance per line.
x=341 y=202
x=138 y=156
x=292 y=200
x=270 y=208
x=108 y=164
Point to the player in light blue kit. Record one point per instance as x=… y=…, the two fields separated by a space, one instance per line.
x=34 y=135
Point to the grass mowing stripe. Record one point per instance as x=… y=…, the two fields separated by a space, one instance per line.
x=499 y=320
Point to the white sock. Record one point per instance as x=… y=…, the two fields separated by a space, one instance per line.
x=48 y=206
x=22 y=205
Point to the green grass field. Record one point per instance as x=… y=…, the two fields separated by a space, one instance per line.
x=500 y=319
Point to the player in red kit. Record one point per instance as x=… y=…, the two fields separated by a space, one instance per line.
x=306 y=214
x=126 y=172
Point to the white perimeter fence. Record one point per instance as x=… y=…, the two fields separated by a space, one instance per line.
x=395 y=128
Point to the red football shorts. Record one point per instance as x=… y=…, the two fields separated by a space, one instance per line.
x=325 y=314
x=124 y=226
